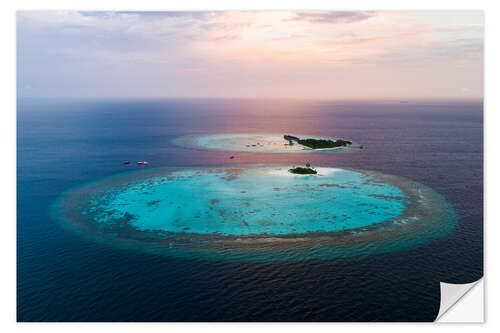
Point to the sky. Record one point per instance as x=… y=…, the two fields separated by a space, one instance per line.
x=335 y=55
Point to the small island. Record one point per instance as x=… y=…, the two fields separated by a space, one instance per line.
x=303 y=171
x=322 y=143
x=317 y=143
x=266 y=143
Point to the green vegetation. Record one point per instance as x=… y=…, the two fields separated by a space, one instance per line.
x=303 y=171
x=320 y=143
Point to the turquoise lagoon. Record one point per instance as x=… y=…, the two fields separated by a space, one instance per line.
x=251 y=142
x=259 y=212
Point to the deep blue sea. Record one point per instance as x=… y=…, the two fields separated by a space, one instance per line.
x=62 y=276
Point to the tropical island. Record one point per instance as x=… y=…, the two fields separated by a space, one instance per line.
x=322 y=143
x=317 y=143
x=303 y=171
x=266 y=143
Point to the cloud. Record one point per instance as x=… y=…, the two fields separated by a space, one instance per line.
x=152 y=14
x=293 y=36
x=459 y=49
x=332 y=17
x=240 y=53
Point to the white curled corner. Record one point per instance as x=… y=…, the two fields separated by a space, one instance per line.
x=452 y=296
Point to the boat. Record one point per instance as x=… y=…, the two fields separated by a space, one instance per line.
x=126 y=162
x=143 y=163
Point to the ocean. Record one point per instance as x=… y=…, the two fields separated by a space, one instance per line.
x=66 y=143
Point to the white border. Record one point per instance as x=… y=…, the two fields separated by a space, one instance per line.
x=8 y=141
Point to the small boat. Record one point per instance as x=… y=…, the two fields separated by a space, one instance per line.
x=231 y=157
x=126 y=162
x=143 y=163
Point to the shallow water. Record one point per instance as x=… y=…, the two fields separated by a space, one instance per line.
x=254 y=201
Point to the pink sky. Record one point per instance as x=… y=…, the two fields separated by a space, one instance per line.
x=324 y=55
